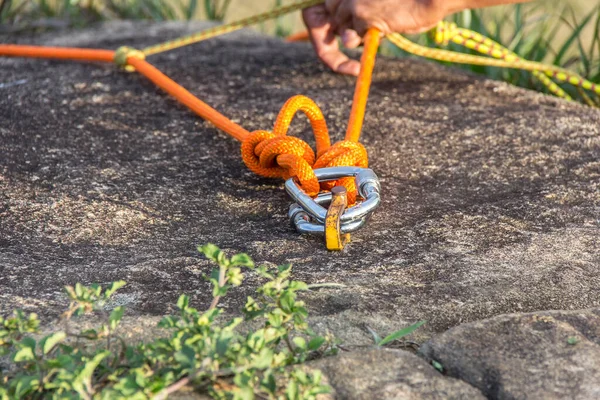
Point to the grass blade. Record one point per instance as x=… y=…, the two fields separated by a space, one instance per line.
x=401 y=333
x=572 y=37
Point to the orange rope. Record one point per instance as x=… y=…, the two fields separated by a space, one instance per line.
x=298 y=37
x=269 y=154
x=56 y=52
x=186 y=98
x=363 y=84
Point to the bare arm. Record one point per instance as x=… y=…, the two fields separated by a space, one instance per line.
x=472 y=4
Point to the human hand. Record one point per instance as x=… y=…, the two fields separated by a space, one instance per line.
x=322 y=34
x=350 y=20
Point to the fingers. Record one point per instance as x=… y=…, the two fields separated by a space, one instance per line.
x=360 y=15
x=350 y=38
x=332 y=5
x=324 y=42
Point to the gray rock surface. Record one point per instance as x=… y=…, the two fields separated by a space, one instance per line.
x=545 y=355
x=491 y=199
x=390 y=374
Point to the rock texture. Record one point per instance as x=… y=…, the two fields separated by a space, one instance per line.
x=390 y=374
x=547 y=355
x=491 y=199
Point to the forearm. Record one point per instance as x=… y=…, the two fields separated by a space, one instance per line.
x=459 y=5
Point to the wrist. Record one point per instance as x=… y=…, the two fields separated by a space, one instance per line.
x=454 y=6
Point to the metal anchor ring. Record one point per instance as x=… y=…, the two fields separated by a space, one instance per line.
x=309 y=216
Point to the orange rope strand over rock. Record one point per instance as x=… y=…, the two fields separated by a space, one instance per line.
x=363 y=84
x=64 y=53
x=189 y=100
x=269 y=154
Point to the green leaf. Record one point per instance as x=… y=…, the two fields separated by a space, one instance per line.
x=234 y=276
x=29 y=342
x=263 y=359
x=191 y=9
x=71 y=292
x=315 y=343
x=242 y=260
x=287 y=301
x=113 y=288
x=401 y=333
x=269 y=383
x=26 y=385
x=186 y=357
x=437 y=365
x=84 y=376
x=298 y=286
x=572 y=37
x=244 y=393
x=167 y=322
x=292 y=390
x=24 y=354
x=183 y=302
x=222 y=345
x=49 y=342
x=275 y=320
x=376 y=337
x=212 y=252
x=300 y=343
x=63 y=361
x=284 y=270
x=115 y=317
x=90 y=334
x=79 y=289
x=95 y=289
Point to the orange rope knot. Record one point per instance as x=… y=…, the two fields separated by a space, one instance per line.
x=276 y=155
x=122 y=55
x=272 y=156
x=344 y=154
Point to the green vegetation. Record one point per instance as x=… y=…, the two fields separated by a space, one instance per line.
x=542 y=31
x=381 y=342
x=241 y=358
x=545 y=31
x=213 y=357
x=41 y=14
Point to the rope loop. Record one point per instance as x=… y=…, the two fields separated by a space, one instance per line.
x=123 y=53
x=276 y=155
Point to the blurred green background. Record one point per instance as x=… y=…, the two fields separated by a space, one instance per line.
x=558 y=32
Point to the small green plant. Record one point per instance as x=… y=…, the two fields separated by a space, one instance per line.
x=399 y=334
x=201 y=351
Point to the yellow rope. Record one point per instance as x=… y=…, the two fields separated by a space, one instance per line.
x=499 y=56
x=446 y=32
x=557 y=73
x=227 y=28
